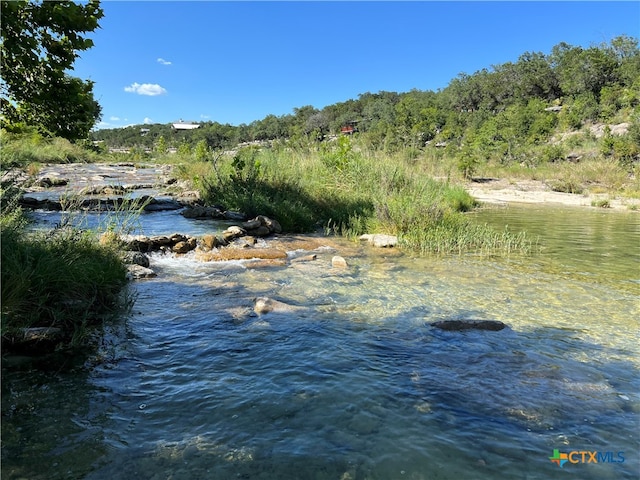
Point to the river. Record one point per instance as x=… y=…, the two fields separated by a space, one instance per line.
x=355 y=383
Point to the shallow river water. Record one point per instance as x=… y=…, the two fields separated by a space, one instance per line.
x=355 y=383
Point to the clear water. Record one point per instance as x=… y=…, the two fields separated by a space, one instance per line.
x=354 y=383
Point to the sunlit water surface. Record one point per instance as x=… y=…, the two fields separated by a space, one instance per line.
x=355 y=383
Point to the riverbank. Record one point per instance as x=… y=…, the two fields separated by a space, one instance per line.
x=504 y=191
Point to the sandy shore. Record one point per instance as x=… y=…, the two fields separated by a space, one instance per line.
x=530 y=191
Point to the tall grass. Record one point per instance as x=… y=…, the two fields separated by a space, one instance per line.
x=344 y=188
x=29 y=147
x=60 y=279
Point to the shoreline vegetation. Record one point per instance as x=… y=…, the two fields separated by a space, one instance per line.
x=561 y=128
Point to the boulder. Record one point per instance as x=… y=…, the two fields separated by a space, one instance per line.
x=136 y=258
x=380 y=240
x=138 y=271
x=264 y=305
x=338 y=262
x=209 y=242
x=232 y=233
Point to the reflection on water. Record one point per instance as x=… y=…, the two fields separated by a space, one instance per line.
x=355 y=384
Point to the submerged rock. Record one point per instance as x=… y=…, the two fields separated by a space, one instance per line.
x=379 y=240
x=266 y=305
x=459 y=325
x=338 y=262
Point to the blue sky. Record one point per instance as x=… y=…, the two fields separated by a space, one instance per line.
x=236 y=62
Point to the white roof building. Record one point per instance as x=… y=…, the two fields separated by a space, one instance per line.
x=185 y=125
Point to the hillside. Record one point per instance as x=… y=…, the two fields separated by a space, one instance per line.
x=542 y=108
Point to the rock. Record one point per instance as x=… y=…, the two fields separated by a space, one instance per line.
x=138 y=271
x=159 y=205
x=305 y=258
x=181 y=247
x=252 y=224
x=241 y=217
x=271 y=224
x=209 y=242
x=52 y=182
x=266 y=305
x=136 y=258
x=265 y=263
x=459 y=325
x=232 y=233
x=338 y=262
x=41 y=334
x=261 y=231
x=598 y=130
x=198 y=211
x=380 y=240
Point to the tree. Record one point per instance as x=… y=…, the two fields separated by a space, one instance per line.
x=40 y=42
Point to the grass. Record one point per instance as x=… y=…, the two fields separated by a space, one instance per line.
x=61 y=279
x=29 y=150
x=345 y=189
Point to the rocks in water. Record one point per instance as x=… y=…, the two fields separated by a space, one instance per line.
x=236 y=216
x=199 y=211
x=138 y=271
x=176 y=242
x=379 y=240
x=184 y=246
x=338 y=262
x=136 y=258
x=262 y=226
x=52 y=181
x=460 y=325
x=264 y=305
x=209 y=242
x=232 y=233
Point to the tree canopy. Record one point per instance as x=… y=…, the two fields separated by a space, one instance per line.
x=40 y=42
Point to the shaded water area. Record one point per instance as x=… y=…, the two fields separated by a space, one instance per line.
x=354 y=383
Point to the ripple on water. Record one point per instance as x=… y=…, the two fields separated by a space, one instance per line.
x=354 y=385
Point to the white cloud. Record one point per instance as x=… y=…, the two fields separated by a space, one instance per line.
x=114 y=119
x=150 y=89
x=203 y=116
x=147 y=121
x=162 y=61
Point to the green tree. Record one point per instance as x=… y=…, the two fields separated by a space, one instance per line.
x=40 y=42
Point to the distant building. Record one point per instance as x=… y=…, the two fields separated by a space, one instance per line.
x=185 y=125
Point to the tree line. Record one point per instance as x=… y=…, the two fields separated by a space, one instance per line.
x=492 y=112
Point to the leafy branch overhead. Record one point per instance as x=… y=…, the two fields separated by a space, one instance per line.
x=40 y=43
